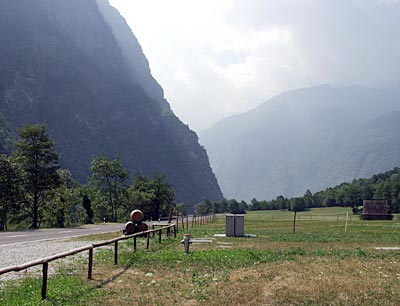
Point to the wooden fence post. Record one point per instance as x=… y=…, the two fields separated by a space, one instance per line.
x=147 y=241
x=187 y=222
x=90 y=267
x=174 y=231
x=116 y=252
x=44 y=280
x=159 y=236
x=134 y=243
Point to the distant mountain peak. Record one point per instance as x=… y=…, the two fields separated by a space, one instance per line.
x=308 y=138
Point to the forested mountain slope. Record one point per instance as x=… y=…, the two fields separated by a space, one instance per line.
x=77 y=67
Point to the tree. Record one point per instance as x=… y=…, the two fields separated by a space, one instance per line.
x=155 y=197
x=180 y=209
x=281 y=202
x=87 y=205
x=255 y=204
x=235 y=207
x=63 y=208
x=109 y=178
x=164 y=196
x=9 y=189
x=38 y=160
x=308 y=199
x=298 y=204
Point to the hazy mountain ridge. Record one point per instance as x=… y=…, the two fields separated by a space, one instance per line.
x=62 y=64
x=304 y=139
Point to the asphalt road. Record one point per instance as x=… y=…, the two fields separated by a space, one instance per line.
x=10 y=238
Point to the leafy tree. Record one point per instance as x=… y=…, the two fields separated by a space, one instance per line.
x=204 y=208
x=298 y=204
x=235 y=207
x=180 y=209
x=255 y=204
x=329 y=200
x=164 y=196
x=281 y=202
x=38 y=160
x=87 y=205
x=9 y=189
x=264 y=205
x=244 y=205
x=308 y=199
x=224 y=206
x=63 y=208
x=109 y=178
x=155 y=197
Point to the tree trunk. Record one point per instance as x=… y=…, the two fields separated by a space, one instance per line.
x=3 y=221
x=112 y=205
x=35 y=217
x=35 y=212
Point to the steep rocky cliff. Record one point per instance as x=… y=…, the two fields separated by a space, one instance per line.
x=76 y=66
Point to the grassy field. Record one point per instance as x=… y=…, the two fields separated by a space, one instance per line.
x=322 y=264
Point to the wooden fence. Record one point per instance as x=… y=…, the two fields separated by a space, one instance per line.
x=90 y=248
x=203 y=219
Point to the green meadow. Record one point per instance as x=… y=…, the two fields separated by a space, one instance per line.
x=327 y=261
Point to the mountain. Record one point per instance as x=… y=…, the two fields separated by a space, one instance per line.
x=308 y=138
x=76 y=66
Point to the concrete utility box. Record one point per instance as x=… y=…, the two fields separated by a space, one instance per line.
x=234 y=225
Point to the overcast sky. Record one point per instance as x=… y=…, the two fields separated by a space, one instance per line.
x=214 y=58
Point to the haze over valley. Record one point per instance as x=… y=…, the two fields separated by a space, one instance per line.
x=78 y=67
x=310 y=138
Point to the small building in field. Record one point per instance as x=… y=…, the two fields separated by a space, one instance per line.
x=375 y=210
x=234 y=225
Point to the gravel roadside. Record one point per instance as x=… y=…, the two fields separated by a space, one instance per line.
x=17 y=254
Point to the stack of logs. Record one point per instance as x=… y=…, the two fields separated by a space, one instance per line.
x=136 y=224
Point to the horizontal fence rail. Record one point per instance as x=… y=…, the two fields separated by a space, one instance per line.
x=45 y=261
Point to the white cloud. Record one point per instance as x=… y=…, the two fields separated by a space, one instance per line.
x=214 y=58
x=389 y=2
